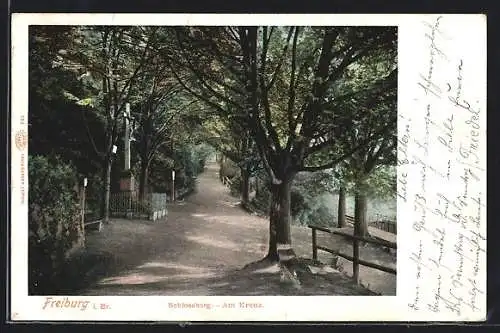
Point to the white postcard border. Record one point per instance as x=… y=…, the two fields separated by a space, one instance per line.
x=469 y=30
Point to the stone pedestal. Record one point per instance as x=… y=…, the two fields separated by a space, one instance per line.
x=127 y=185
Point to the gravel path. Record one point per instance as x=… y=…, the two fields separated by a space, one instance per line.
x=201 y=248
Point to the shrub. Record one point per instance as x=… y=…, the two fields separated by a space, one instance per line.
x=315 y=211
x=204 y=152
x=235 y=186
x=54 y=218
x=262 y=197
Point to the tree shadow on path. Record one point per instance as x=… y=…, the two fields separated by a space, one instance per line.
x=200 y=249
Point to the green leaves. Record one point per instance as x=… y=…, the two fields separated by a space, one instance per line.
x=81 y=102
x=86 y=102
x=70 y=96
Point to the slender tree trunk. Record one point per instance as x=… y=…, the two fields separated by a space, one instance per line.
x=279 y=218
x=245 y=186
x=81 y=231
x=106 y=190
x=341 y=208
x=360 y=215
x=143 y=180
x=221 y=171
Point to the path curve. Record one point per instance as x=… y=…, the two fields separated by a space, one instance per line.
x=200 y=249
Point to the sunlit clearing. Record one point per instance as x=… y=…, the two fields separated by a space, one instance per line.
x=170 y=265
x=225 y=244
x=133 y=279
x=184 y=273
x=231 y=220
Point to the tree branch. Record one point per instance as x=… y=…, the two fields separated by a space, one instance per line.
x=281 y=60
x=130 y=81
x=350 y=152
x=320 y=80
x=91 y=138
x=264 y=91
x=197 y=95
x=208 y=86
x=291 y=88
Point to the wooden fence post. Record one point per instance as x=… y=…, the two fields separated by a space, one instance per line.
x=355 y=263
x=315 y=249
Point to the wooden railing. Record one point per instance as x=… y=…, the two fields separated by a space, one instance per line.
x=355 y=246
x=388 y=226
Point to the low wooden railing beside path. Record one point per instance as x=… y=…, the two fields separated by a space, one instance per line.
x=387 y=226
x=355 y=246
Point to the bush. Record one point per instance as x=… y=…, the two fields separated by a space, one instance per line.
x=262 y=194
x=54 y=218
x=315 y=211
x=203 y=152
x=235 y=186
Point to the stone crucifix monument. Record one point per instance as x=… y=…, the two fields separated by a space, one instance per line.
x=127 y=182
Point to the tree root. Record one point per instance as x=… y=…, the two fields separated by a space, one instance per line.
x=262 y=263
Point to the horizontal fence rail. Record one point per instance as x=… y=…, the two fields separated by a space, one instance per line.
x=355 y=246
x=388 y=226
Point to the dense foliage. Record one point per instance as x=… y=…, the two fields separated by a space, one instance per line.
x=55 y=225
x=314 y=197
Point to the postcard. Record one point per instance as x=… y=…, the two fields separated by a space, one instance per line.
x=248 y=167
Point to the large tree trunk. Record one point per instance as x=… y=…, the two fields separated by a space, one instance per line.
x=257 y=186
x=360 y=215
x=245 y=186
x=106 y=190
x=341 y=208
x=143 y=179
x=279 y=218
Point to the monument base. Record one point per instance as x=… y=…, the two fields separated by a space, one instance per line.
x=127 y=184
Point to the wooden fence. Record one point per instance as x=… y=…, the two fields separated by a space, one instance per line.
x=152 y=206
x=355 y=246
x=125 y=205
x=389 y=226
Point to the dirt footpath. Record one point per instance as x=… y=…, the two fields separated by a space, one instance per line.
x=199 y=249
